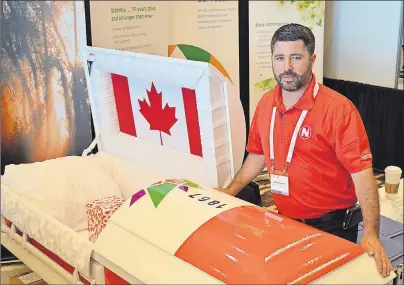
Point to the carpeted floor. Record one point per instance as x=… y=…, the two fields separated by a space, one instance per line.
x=265 y=187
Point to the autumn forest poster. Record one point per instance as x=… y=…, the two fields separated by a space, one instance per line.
x=45 y=111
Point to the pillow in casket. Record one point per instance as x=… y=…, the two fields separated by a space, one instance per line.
x=62 y=187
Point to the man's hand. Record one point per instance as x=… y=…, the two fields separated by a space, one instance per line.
x=252 y=167
x=374 y=248
x=368 y=197
x=225 y=190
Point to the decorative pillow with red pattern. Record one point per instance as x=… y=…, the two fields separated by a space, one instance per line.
x=99 y=212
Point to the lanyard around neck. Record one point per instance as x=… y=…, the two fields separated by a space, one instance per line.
x=294 y=137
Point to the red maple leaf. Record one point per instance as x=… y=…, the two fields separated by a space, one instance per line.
x=159 y=118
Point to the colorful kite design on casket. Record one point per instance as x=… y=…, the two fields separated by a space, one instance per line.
x=159 y=190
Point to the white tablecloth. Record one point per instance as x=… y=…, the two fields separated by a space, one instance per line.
x=386 y=205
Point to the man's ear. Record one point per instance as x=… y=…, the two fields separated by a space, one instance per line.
x=313 y=59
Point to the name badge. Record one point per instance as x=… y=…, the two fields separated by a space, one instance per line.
x=280 y=184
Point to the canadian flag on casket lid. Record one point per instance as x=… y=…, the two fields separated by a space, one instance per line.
x=148 y=115
x=167 y=114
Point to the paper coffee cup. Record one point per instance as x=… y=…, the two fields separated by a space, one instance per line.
x=392 y=179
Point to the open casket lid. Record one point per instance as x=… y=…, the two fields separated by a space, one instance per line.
x=180 y=118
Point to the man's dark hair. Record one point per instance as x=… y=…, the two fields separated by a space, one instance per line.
x=294 y=32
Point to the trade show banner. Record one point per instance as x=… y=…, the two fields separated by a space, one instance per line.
x=265 y=17
x=44 y=103
x=195 y=30
x=137 y=26
x=206 y=31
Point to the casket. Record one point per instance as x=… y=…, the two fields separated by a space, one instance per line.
x=168 y=132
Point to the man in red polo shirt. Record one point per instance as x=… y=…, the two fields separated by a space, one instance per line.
x=315 y=146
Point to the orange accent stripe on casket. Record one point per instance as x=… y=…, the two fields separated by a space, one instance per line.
x=113 y=279
x=249 y=245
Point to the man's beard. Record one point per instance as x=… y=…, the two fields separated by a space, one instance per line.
x=299 y=80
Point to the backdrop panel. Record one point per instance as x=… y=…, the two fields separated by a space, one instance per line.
x=137 y=26
x=45 y=109
x=354 y=53
x=206 y=31
x=195 y=30
x=265 y=17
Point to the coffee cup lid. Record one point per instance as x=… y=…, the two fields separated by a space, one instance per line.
x=393 y=169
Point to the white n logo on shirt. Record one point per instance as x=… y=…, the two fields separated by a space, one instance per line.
x=305 y=132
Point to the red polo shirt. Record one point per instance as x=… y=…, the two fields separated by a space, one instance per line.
x=331 y=145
